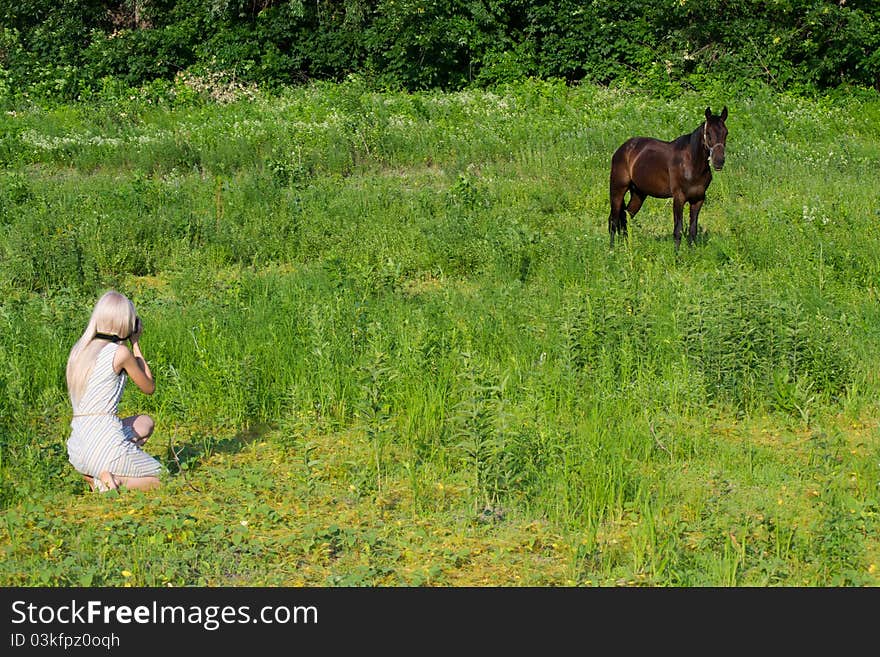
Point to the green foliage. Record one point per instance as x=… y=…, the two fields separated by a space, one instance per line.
x=602 y=42
x=64 y=50
x=750 y=346
x=139 y=56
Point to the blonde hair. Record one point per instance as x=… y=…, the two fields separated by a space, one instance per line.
x=114 y=314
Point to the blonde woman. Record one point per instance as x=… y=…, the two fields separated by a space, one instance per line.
x=104 y=448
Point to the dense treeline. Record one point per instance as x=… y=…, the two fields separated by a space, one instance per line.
x=71 y=48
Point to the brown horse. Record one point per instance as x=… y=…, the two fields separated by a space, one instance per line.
x=677 y=169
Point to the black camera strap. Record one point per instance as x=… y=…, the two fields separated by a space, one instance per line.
x=107 y=336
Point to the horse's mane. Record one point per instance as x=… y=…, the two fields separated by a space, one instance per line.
x=691 y=139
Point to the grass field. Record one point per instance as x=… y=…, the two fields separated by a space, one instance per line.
x=393 y=347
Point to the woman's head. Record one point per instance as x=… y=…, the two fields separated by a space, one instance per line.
x=113 y=314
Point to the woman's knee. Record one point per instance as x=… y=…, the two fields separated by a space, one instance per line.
x=143 y=426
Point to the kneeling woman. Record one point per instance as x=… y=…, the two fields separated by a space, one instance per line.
x=104 y=448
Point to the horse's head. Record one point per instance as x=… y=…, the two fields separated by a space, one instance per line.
x=715 y=137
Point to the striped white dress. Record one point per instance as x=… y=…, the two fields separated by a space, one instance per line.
x=98 y=440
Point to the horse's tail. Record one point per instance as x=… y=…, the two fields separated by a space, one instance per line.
x=618 y=183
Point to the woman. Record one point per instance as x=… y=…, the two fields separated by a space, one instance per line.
x=106 y=449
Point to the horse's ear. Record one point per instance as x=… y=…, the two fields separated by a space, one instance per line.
x=724 y=113
x=708 y=113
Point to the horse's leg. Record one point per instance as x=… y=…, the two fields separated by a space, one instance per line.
x=677 y=215
x=695 y=212
x=636 y=198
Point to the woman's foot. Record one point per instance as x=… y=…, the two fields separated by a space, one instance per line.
x=105 y=482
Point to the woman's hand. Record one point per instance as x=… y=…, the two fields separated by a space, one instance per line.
x=138 y=330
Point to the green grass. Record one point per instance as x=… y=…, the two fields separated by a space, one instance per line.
x=393 y=347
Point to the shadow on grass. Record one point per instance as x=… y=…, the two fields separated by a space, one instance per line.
x=705 y=237
x=191 y=454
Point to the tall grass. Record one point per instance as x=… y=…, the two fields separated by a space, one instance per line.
x=430 y=273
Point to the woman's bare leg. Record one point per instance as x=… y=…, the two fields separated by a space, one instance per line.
x=138 y=483
x=134 y=483
x=141 y=425
x=105 y=479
